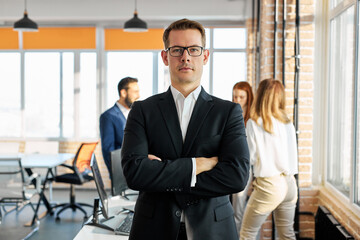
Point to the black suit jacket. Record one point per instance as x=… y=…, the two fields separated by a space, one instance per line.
x=216 y=128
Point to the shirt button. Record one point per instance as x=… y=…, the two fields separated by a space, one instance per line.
x=178 y=213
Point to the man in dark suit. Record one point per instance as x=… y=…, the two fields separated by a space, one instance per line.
x=184 y=150
x=112 y=121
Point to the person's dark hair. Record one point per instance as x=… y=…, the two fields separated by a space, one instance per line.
x=184 y=24
x=124 y=83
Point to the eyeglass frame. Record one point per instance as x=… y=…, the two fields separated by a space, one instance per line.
x=187 y=49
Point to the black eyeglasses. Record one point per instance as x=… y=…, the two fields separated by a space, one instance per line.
x=194 y=51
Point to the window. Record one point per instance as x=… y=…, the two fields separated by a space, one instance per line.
x=343 y=154
x=230 y=38
x=88 y=95
x=228 y=71
x=42 y=95
x=229 y=60
x=129 y=64
x=10 y=94
x=59 y=94
x=68 y=117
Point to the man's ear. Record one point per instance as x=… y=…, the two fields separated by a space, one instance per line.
x=164 y=57
x=206 y=56
x=123 y=93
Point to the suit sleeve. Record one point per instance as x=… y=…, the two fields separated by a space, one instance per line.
x=143 y=174
x=231 y=173
x=107 y=134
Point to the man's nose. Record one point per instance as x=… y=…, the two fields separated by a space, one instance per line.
x=185 y=57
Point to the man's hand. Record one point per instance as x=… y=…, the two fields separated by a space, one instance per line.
x=205 y=164
x=153 y=157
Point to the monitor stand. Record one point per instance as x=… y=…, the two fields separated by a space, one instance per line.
x=95 y=218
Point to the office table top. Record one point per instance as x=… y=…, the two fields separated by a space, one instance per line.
x=94 y=233
x=39 y=160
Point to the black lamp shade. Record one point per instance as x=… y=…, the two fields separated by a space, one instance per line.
x=25 y=24
x=135 y=25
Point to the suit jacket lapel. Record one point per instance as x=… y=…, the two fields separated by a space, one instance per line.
x=171 y=119
x=119 y=112
x=201 y=109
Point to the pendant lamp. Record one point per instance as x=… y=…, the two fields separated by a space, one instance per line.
x=25 y=24
x=135 y=24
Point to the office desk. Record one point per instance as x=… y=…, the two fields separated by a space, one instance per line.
x=94 y=233
x=38 y=160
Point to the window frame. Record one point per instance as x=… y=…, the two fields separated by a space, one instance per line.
x=321 y=99
x=101 y=79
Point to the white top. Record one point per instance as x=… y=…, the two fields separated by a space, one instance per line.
x=123 y=109
x=272 y=154
x=185 y=107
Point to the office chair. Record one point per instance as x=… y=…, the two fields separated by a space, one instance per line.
x=16 y=190
x=80 y=174
x=118 y=181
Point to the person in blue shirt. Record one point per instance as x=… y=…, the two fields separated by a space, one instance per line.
x=112 y=121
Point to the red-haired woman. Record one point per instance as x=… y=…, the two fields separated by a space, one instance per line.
x=243 y=95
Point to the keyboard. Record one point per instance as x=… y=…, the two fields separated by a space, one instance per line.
x=125 y=226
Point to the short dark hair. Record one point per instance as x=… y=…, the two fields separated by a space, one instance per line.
x=124 y=83
x=183 y=24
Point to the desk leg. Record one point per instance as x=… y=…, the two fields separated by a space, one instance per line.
x=42 y=197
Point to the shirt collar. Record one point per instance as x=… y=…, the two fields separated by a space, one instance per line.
x=123 y=109
x=194 y=94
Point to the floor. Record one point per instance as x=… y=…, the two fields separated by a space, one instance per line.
x=12 y=226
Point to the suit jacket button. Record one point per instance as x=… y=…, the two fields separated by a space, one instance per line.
x=178 y=213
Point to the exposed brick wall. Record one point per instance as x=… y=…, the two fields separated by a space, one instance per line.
x=251 y=52
x=308 y=197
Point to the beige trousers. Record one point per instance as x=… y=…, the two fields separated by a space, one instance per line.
x=278 y=194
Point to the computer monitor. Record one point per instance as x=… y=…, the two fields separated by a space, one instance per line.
x=100 y=187
x=119 y=185
x=118 y=181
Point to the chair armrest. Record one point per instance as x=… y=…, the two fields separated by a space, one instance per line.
x=67 y=166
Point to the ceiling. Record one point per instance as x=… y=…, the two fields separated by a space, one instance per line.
x=113 y=13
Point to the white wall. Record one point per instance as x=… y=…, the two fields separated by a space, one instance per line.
x=158 y=13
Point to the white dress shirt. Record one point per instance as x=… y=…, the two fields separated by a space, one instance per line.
x=272 y=154
x=123 y=109
x=185 y=107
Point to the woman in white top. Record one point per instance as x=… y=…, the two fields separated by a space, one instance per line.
x=273 y=154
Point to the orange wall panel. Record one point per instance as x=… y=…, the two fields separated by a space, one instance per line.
x=9 y=39
x=61 y=38
x=117 y=39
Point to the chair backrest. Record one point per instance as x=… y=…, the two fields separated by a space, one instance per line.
x=118 y=181
x=83 y=156
x=11 y=178
x=46 y=147
x=9 y=147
